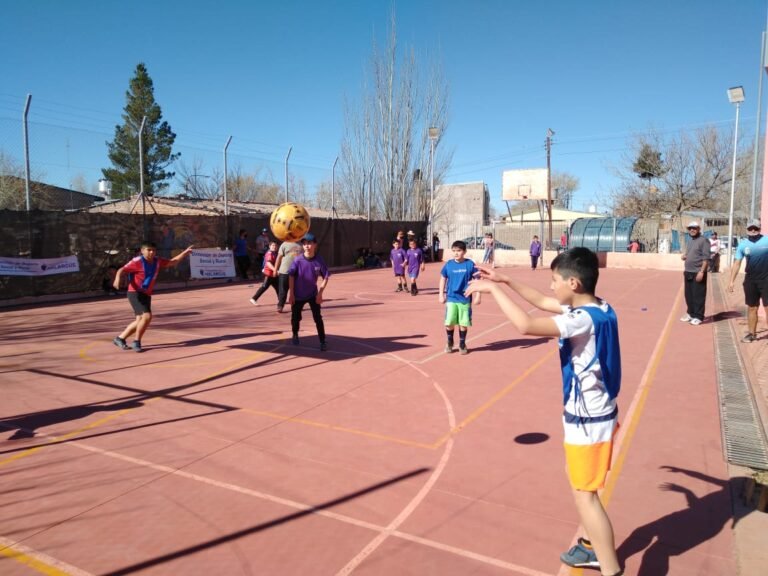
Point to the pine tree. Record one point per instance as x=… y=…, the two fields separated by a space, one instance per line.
x=157 y=142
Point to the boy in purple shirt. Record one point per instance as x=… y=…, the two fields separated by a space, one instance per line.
x=302 y=287
x=415 y=259
x=397 y=256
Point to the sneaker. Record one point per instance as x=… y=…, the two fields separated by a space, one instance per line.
x=295 y=340
x=136 y=345
x=463 y=350
x=399 y=289
x=695 y=322
x=749 y=338
x=323 y=346
x=279 y=309
x=686 y=318
x=448 y=348
x=253 y=301
x=579 y=556
x=120 y=343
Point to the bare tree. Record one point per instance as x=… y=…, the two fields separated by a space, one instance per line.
x=691 y=171
x=385 y=141
x=564 y=185
x=196 y=180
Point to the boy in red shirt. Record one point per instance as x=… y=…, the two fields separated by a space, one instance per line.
x=142 y=275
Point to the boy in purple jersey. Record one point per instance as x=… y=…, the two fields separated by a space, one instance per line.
x=302 y=287
x=397 y=256
x=415 y=260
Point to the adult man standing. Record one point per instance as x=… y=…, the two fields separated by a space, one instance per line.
x=755 y=249
x=285 y=256
x=696 y=259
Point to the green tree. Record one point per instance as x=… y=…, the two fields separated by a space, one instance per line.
x=157 y=142
x=648 y=164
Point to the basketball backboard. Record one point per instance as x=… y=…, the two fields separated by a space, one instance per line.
x=526 y=184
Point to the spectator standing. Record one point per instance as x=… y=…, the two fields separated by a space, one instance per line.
x=755 y=249
x=535 y=252
x=490 y=248
x=714 y=253
x=285 y=256
x=242 y=260
x=696 y=258
x=435 y=247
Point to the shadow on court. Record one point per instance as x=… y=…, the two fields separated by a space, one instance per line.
x=682 y=530
x=26 y=426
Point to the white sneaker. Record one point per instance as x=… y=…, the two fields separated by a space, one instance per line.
x=686 y=318
x=252 y=301
x=695 y=322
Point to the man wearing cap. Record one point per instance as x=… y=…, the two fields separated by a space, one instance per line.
x=262 y=247
x=303 y=275
x=755 y=249
x=696 y=259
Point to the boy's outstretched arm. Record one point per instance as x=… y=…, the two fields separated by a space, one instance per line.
x=529 y=294
x=179 y=257
x=524 y=322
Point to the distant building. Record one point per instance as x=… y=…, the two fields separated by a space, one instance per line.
x=460 y=207
x=13 y=196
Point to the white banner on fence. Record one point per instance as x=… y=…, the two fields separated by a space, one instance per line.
x=38 y=266
x=211 y=263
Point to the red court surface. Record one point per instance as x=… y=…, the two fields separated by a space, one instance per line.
x=224 y=449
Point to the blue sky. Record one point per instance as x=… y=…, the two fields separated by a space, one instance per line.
x=275 y=75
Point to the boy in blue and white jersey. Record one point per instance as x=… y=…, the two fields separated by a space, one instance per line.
x=454 y=280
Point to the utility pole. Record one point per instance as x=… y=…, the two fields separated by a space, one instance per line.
x=550 y=133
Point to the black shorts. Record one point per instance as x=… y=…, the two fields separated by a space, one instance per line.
x=754 y=291
x=140 y=302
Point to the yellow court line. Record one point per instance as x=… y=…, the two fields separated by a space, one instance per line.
x=336 y=428
x=637 y=409
x=32 y=562
x=495 y=398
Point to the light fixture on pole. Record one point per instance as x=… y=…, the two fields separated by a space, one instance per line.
x=735 y=96
x=434 y=134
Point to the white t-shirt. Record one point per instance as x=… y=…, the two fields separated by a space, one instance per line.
x=593 y=400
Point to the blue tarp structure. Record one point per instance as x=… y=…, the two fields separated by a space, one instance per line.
x=597 y=234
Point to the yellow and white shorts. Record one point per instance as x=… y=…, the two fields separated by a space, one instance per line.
x=589 y=448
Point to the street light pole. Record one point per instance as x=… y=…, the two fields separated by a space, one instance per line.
x=735 y=96
x=226 y=199
x=550 y=133
x=434 y=134
x=333 y=189
x=286 y=172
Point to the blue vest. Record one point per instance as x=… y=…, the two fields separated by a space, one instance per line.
x=606 y=351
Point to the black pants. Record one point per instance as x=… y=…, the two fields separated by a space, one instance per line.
x=714 y=263
x=296 y=309
x=534 y=261
x=695 y=294
x=282 y=290
x=268 y=281
x=243 y=264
